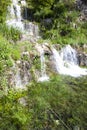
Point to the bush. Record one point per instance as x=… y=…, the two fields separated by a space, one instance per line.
x=5 y=52
x=10 y=33
x=13 y=115
x=57 y=100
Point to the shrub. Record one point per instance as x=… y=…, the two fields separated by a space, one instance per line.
x=10 y=33
x=5 y=52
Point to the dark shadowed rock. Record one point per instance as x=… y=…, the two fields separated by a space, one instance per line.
x=82 y=58
x=82 y=6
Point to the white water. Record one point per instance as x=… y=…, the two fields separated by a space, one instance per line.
x=18 y=80
x=23 y=3
x=15 y=19
x=32 y=29
x=69 y=54
x=66 y=62
x=44 y=76
x=25 y=79
x=15 y=16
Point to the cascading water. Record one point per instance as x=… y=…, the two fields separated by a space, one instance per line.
x=32 y=29
x=16 y=19
x=69 y=54
x=16 y=77
x=66 y=62
x=44 y=76
x=25 y=74
x=15 y=15
x=18 y=80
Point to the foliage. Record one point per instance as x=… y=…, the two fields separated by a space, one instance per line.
x=58 y=100
x=10 y=33
x=59 y=21
x=59 y=104
x=16 y=53
x=5 y=61
x=3 y=9
x=13 y=115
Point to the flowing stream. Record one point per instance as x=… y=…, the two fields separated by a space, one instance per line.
x=66 y=62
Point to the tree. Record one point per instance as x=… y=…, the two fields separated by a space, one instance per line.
x=42 y=8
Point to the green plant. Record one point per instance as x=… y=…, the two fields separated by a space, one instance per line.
x=16 y=54
x=58 y=99
x=13 y=115
x=5 y=53
x=10 y=33
x=3 y=9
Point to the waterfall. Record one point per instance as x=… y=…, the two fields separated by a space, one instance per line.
x=44 y=76
x=32 y=29
x=17 y=10
x=43 y=66
x=66 y=62
x=18 y=80
x=16 y=77
x=15 y=16
x=24 y=5
x=15 y=19
x=25 y=74
x=69 y=54
x=25 y=13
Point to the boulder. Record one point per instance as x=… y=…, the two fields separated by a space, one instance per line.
x=82 y=58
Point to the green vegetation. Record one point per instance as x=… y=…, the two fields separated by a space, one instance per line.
x=58 y=100
x=5 y=52
x=59 y=104
x=3 y=9
x=59 y=21
x=10 y=33
x=13 y=115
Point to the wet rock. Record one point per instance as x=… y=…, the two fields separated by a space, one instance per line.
x=22 y=101
x=82 y=58
x=57 y=46
x=47 y=23
x=47 y=49
x=82 y=6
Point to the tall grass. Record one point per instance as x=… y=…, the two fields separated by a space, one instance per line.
x=10 y=33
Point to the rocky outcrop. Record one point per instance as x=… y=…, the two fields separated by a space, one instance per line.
x=82 y=6
x=40 y=62
x=82 y=58
x=82 y=54
x=19 y=75
x=44 y=47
